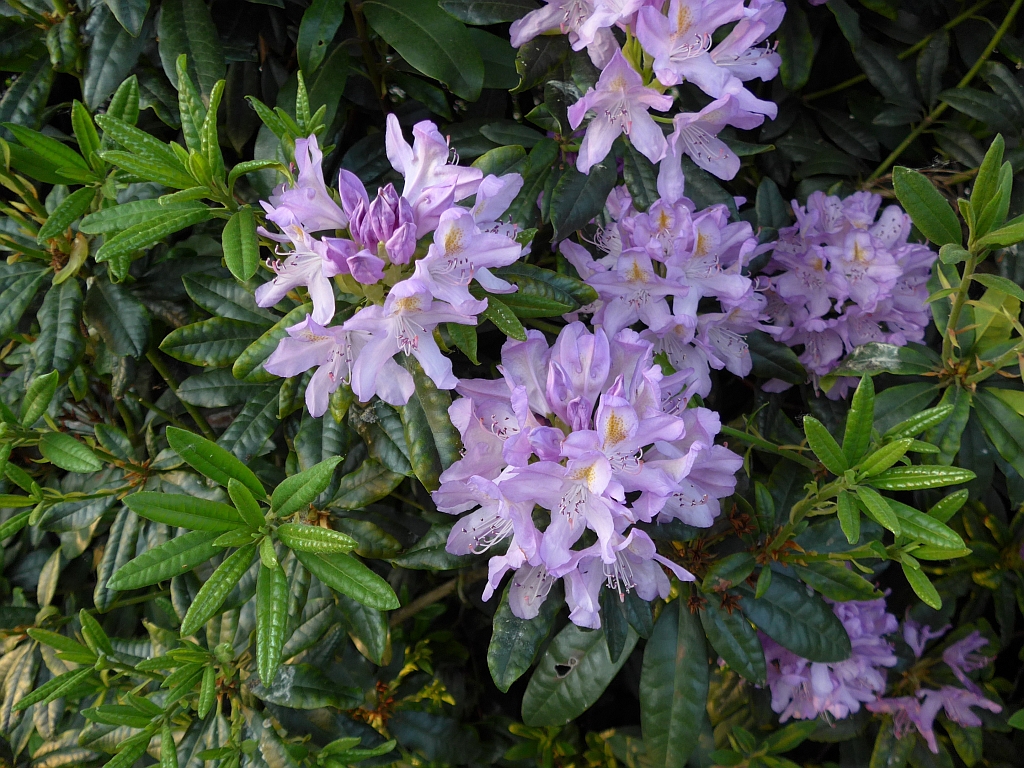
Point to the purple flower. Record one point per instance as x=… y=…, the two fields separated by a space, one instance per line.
x=404 y=324
x=620 y=102
x=696 y=135
x=460 y=253
x=920 y=711
x=432 y=184
x=917 y=635
x=578 y=20
x=961 y=658
x=803 y=689
x=388 y=221
x=307 y=203
x=331 y=351
x=633 y=291
x=310 y=265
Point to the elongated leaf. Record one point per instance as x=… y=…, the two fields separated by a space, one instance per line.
x=59 y=344
x=825 y=446
x=431 y=41
x=121 y=320
x=836 y=582
x=152 y=231
x=312 y=538
x=112 y=55
x=15 y=300
x=732 y=637
x=185 y=27
x=859 y=421
x=213 y=461
x=798 y=621
x=877 y=508
x=673 y=686
x=38 y=396
x=920 y=583
x=350 y=577
x=925 y=528
x=515 y=642
x=577 y=198
x=917 y=478
x=214 y=342
x=929 y=209
x=572 y=674
x=67 y=453
x=212 y=594
x=319 y=24
x=172 y=558
x=184 y=511
x=241 y=246
x=298 y=491
x=271 y=621
x=70 y=208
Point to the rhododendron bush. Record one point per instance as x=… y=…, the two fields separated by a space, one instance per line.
x=511 y=382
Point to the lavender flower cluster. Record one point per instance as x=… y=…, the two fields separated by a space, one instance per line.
x=803 y=689
x=840 y=279
x=674 y=253
x=572 y=429
x=669 y=43
x=373 y=259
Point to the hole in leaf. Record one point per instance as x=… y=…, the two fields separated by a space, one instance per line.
x=562 y=670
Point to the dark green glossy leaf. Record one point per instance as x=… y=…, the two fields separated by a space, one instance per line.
x=515 y=642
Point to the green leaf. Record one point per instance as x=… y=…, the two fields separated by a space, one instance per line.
x=70 y=208
x=37 y=398
x=836 y=582
x=214 y=342
x=121 y=319
x=849 y=517
x=304 y=686
x=299 y=491
x=313 y=538
x=1011 y=234
x=255 y=424
x=825 y=446
x=1000 y=284
x=859 y=421
x=129 y=13
x=884 y=457
x=226 y=298
x=774 y=360
x=948 y=506
x=577 y=198
x=121 y=217
x=67 y=453
x=918 y=478
x=113 y=54
x=124 y=104
x=211 y=596
x=16 y=298
x=241 y=246
x=431 y=553
x=922 y=586
x=172 y=558
x=732 y=637
x=435 y=404
x=347 y=575
x=877 y=508
x=727 y=571
x=184 y=511
x=986 y=184
x=24 y=100
x=246 y=505
x=929 y=210
x=803 y=623
x=371 y=482
x=320 y=22
x=367 y=626
x=431 y=41
x=673 y=686
x=185 y=27
x=515 y=642
x=423 y=455
x=796 y=47
x=571 y=676
x=546 y=283
x=504 y=319
x=213 y=461
x=641 y=177
x=271 y=621
x=151 y=231
x=54 y=688
x=217 y=389
x=925 y=528
x=63 y=159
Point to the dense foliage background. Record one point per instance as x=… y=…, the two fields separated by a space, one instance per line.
x=138 y=140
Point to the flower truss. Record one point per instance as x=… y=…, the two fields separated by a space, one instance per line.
x=840 y=279
x=660 y=266
x=373 y=249
x=670 y=43
x=584 y=431
x=919 y=708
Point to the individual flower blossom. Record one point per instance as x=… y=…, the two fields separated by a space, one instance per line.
x=306 y=203
x=406 y=324
x=695 y=135
x=919 y=711
x=586 y=22
x=961 y=658
x=309 y=264
x=569 y=429
x=917 y=636
x=620 y=102
x=803 y=689
x=331 y=351
x=843 y=276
